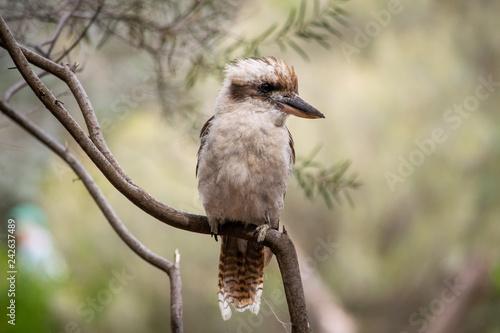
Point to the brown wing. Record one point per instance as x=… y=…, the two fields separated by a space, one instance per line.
x=204 y=131
x=291 y=146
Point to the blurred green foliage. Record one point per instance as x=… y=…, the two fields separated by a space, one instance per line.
x=328 y=182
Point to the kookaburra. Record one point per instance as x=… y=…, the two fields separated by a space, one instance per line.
x=244 y=164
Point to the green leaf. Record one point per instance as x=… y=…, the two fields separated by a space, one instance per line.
x=267 y=33
x=302 y=14
x=328 y=182
x=298 y=49
x=288 y=24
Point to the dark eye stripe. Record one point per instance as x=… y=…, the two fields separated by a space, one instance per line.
x=239 y=92
x=266 y=87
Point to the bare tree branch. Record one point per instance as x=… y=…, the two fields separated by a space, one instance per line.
x=95 y=147
x=175 y=295
x=67 y=74
x=95 y=192
x=79 y=38
x=20 y=85
x=134 y=193
x=52 y=40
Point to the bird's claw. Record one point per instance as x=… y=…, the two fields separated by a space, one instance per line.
x=214 y=229
x=260 y=234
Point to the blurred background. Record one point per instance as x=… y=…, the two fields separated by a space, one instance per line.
x=411 y=94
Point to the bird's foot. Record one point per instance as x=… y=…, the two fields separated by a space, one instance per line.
x=260 y=234
x=214 y=230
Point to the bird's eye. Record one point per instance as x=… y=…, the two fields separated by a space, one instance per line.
x=265 y=87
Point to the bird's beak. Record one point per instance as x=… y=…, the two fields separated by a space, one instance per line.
x=298 y=107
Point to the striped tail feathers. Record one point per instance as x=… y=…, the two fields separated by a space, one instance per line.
x=241 y=276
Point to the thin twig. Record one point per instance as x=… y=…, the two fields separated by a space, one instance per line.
x=82 y=34
x=95 y=192
x=20 y=85
x=135 y=194
x=65 y=73
x=175 y=295
x=52 y=41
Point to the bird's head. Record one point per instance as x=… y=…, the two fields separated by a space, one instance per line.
x=265 y=85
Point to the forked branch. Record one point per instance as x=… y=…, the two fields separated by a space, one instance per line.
x=95 y=147
x=172 y=269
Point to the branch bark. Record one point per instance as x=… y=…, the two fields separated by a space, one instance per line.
x=95 y=192
x=96 y=148
x=282 y=247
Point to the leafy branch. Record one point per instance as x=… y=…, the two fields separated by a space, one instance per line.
x=330 y=182
x=319 y=27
